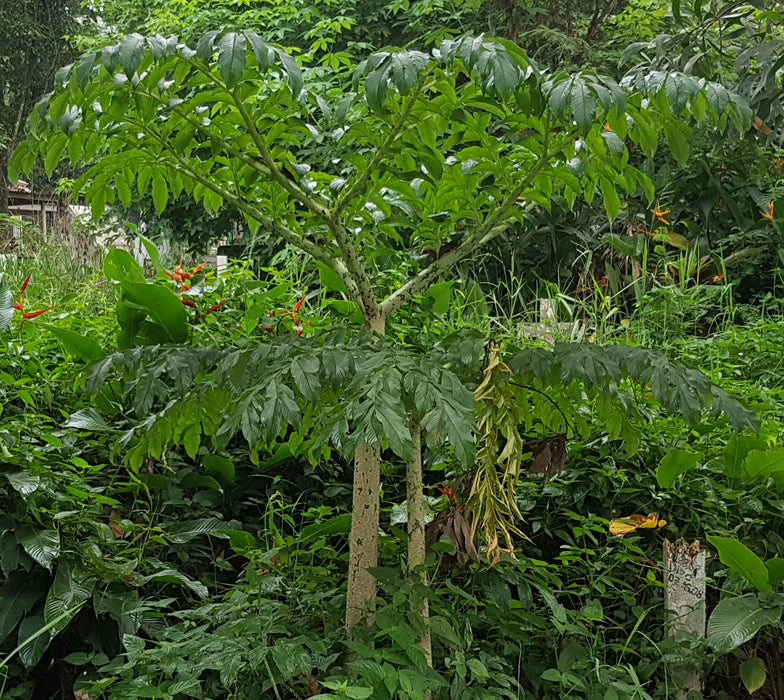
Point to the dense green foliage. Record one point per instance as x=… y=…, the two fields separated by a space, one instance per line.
x=182 y=452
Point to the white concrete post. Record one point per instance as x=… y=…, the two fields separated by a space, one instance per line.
x=684 y=603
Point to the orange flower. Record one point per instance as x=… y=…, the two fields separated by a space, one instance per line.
x=769 y=214
x=660 y=213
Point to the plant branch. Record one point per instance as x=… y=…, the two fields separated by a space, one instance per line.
x=274 y=171
x=549 y=398
x=492 y=226
x=297 y=240
x=382 y=151
x=361 y=288
x=358 y=284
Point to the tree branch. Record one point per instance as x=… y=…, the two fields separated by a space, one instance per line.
x=492 y=226
x=361 y=287
x=381 y=153
x=180 y=165
x=550 y=399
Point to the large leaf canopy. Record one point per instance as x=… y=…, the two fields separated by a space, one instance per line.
x=432 y=153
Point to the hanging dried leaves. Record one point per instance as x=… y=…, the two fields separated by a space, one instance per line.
x=492 y=505
x=453 y=525
x=549 y=456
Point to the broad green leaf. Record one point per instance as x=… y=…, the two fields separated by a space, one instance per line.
x=34 y=638
x=130 y=53
x=760 y=464
x=738 y=447
x=305 y=375
x=753 y=673
x=291 y=659
x=19 y=592
x=185 y=531
x=775 y=571
x=478 y=669
x=163 y=307
x=87 y=419
x=442 y=628
x=740 y=559
x=612 y=203
x=76 y=344
x=395 y=426
x=718 y=96
x=152 y=251
x=78 y=658
x=241 y=541
x=160 y=191
x=736 y=620
x=70 y=120
x=41 y=545
x=264 y=54
x=675 y=463
x=739 y=417
x=24 y=482
x=506 y=74
x=677 y=140
x=130 y=319
x=292 y=70
x=441 y=293
x=120 y=266
x=134 y=645
x=206 y=45
x=54 y=152
x=70 y=588
x=174 y=576
x=330 y=280
x=222 y=466
x=232 y=55
x=339 y=525
x=583 y=103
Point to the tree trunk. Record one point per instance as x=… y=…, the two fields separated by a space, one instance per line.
x=416 y=527
x=363 y=543
x=4 y=185
x=376 y=323
x=5 y=230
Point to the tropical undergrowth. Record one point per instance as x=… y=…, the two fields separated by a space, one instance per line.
x=158 y=542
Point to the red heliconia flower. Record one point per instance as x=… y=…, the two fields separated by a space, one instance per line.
x=450 y=495
x=217 y=306
x=179 y=275
x=20 y=305
x=267 y=328
x=447 y=492
x=33 y=314
x=299 y=304
x=189 y=302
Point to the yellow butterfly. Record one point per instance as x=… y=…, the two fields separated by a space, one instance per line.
x=623 y=526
